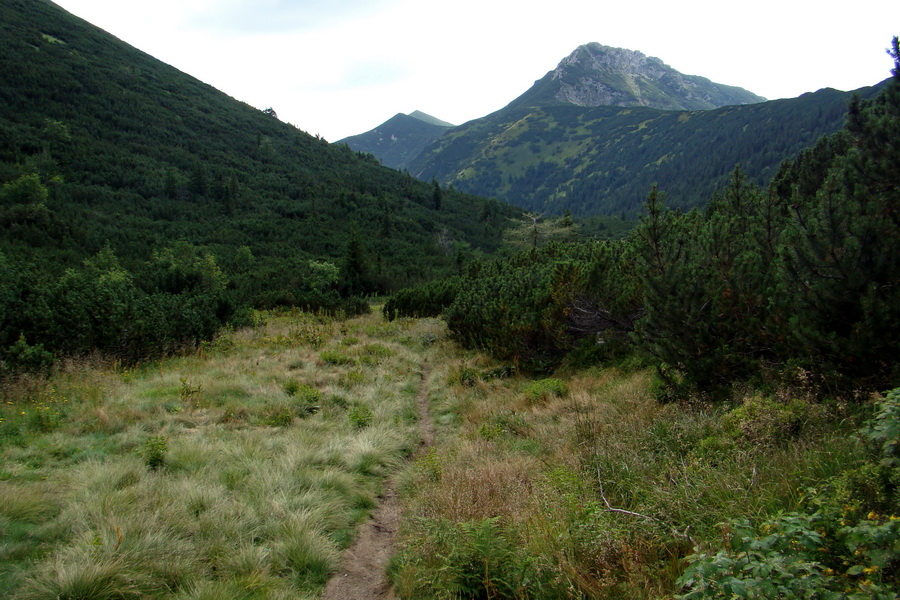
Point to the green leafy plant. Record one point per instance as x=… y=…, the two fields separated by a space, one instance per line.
x=360 y=416
x=544 y=389
x=191 y=395
x=153 y=451
x=839 y=546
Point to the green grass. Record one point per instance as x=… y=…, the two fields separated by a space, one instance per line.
x=232 y=473
x=549 y=459
x=243 y=471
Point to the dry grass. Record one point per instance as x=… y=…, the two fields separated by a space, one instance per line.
x=550 y=466
x=257 y=489
x=479 y=484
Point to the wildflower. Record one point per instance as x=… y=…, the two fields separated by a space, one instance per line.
x=870 y=570
x=872 y=516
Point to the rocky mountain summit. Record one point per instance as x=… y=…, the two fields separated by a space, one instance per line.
x=598 y=75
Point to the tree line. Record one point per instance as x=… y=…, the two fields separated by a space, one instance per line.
x=801 y=276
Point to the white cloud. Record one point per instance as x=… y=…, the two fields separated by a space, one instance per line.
x=341 y=67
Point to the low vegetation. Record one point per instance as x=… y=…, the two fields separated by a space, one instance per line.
x=591 y=488
x=697 y=409
x=240 y=471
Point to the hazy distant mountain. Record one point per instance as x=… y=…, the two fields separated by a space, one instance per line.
x=399 y=139
x=597 y=75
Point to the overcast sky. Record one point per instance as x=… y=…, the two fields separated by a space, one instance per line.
x=341 y=67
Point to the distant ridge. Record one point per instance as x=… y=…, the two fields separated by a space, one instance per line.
x=595 y=133
x=400 y=139
x=418 y=114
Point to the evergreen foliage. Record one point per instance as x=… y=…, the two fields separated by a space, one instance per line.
x=141 y=208
x=549 y=158
x=803 y=274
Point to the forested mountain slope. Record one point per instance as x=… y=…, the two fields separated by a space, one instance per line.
x=103 y=147
x=400 y=139
x=552 y=157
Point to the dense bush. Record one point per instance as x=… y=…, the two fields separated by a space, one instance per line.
x=803 y=276
x=844 y=544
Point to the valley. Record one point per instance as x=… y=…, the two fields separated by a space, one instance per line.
x=245 y=470
x=633 y=336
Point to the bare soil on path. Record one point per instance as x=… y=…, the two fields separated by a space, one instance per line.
x=362 y=572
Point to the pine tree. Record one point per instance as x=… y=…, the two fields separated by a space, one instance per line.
x=842 y=252
x=437 y=195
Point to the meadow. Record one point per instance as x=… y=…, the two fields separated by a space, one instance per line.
x=238 y=471
x=243 y=470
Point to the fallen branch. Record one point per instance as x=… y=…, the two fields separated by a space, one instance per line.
x=611 y=508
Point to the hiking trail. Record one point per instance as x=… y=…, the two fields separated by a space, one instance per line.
x=361 y=574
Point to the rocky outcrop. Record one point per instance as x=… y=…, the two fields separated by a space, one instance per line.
x=597 y=75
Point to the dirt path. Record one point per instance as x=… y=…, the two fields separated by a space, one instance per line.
x=361 y=575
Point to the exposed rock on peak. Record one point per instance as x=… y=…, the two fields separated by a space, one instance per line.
x=597 y=75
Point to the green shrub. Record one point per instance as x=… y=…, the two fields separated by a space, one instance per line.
x=360 y=416
x=509 y=423
x=338 y=401
x=475 y=559
x=308 y=399
x=763 y=420
x=191 y=395
x=845 y=543
x=800 y=555
x=544 y=389
x=24 y=357
x=333 y=357
x=153 y=451
x=467 y=376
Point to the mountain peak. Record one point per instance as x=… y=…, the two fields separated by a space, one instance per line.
x=400 y=139
x=418 y=114
x=598 y=75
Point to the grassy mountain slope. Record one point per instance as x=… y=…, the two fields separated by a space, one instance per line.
x=603 y=160
x=136 y=154
x=418 y=114
x=400 y=139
